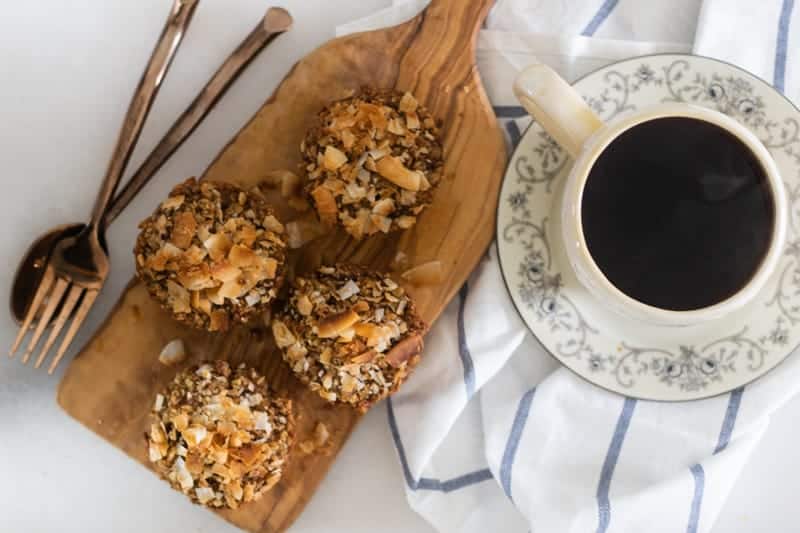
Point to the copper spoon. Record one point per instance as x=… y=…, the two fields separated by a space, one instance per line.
x=30 y=270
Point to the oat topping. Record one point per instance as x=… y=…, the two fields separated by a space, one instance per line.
x=212 y=254
x=219 y=435
x=373 y=162
x=351 y=335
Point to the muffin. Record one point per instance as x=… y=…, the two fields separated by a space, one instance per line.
x=212 y=254
x=219 y=435
x=351 y=335
x=372 y=161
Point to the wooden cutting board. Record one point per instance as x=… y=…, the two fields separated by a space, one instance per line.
x=111 y=384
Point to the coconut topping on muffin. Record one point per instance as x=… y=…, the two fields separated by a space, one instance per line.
x=373 y=162
x=212 y=254
x=219 y=435
x=350 y=334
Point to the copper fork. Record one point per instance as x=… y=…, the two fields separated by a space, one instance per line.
x=78 y=266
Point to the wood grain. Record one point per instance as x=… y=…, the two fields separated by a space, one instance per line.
x=111 y=384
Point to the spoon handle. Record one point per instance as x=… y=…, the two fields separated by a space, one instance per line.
x=275 y=22
x=171 y=36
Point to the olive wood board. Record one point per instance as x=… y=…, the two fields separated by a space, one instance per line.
x=110 y=386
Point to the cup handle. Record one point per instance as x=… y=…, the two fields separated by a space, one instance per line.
x=556 y=106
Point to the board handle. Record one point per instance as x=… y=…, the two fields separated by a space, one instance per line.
x=460 y=16
x=446 y=37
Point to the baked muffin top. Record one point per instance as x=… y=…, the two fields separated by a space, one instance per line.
x=219 y=435
x=212 y=254
x=372 y=161
x=350 y=334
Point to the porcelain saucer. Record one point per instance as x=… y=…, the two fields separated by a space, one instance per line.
x=608 y=349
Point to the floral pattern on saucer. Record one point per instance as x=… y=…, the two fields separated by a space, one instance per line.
x=638 y=360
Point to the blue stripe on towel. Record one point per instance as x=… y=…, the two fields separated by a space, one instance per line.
x=510 y=452
x=782 y=45
x=699 y=486
x=599 y=17
x=426 y=483
x=607 y=472
x=725 y=432
x=729 y=420
x=463 y=349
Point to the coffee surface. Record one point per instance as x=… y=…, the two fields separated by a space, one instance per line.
x=677 y=213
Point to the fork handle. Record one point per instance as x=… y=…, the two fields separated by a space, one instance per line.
x=276 y=21
x=179 y=18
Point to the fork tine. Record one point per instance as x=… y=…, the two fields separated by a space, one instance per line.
x=52 y=304
x=66 y=310
x=41 y=292
x=80 y=316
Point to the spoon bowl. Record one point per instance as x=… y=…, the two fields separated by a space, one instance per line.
x=31 y=268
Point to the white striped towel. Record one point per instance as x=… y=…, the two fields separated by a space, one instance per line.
x=491 y=434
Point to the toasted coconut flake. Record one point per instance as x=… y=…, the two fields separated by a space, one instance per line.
x=194 y=255
x=246 y=235
x=159 y=403
x=333 y=158
x=326 y=205
x=232 y=289
x=383 y=224
x=348 y=139
x=396 y=126
x=215 y=297
x=333 y=325
x=273 y=224
x=348 y=289
x=182 y=474
x=225 y=272
x=408 y=104
x=290 y=184
x=218 y=246
x=304 y=305
x=173 y=202
x=383 y=207
x=204 y=494
x=195 y=279
x=172 y=354
x=364 y=357
x=393 y=170
x=184 y=229
x=154 y=452
x=261 y=422
x=406 y=222
x=412 y=121
x=178 y=297
x=243 y=257
x=283 y=336
x=430 y=273
x=404 y=351
x=194 y=435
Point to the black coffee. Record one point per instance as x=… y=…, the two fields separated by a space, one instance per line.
x=677 y=213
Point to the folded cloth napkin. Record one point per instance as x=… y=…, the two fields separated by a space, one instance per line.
x=492 y=435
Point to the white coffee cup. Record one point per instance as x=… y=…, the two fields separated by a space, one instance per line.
x=561 y=111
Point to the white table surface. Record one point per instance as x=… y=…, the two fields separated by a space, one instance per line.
x=67 y=70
